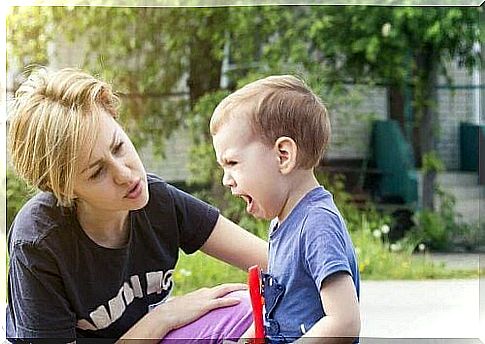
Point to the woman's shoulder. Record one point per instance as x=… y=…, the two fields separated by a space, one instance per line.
x=156 y=186
x=154 y=179
x=164 y=195
x=38 y=218
x=163 y=191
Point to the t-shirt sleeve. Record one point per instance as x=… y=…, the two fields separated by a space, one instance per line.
x=195 y=218
x=323 y=246
x=38 y=305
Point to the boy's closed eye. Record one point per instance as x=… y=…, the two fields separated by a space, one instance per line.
x=227 y=162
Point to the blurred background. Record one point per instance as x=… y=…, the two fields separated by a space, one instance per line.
x=404 y=87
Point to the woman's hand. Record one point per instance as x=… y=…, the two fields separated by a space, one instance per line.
x=182 y=310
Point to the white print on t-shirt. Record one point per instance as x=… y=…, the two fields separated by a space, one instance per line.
x=156 y=282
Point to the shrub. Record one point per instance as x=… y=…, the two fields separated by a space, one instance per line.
x=444 y=229
x=17 y=194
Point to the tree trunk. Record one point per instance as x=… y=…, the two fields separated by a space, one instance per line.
x=205 y=67
x=205 y=73
x=396 y=105
x=425 y=102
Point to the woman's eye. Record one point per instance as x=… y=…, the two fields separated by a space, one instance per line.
x=96 y=174
x=232 y=163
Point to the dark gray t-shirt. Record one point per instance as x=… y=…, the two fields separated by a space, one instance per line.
x=310 y=245
x=64 y=285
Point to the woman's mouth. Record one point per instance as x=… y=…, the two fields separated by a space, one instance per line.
x=135 y=190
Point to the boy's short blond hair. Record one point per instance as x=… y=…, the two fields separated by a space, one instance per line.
x=55 y=114
x=279 y=106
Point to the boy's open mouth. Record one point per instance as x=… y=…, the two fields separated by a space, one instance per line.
x=249 y=202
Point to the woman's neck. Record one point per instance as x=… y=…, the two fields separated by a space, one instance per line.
x=107 y=229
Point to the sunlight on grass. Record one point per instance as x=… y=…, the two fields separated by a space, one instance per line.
x=200 y=270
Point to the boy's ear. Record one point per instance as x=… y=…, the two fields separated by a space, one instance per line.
x=287 y=151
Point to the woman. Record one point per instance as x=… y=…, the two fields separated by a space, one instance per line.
x=93 y=254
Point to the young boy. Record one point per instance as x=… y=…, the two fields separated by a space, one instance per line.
x=268 y=137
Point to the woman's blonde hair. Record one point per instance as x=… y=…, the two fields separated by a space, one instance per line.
x=55 y=114
x=276 y=106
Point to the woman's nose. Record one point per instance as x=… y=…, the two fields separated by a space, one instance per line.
x=122 y=173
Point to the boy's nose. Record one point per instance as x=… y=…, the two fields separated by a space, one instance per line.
x=227 y=180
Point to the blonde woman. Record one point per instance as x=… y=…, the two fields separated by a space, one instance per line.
x=93 y=253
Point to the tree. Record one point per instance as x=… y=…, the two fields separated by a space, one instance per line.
x=148 y=52
x=144 y=52
x=402 y=47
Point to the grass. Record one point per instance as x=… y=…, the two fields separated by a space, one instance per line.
x=403 y=267
x=199 y=270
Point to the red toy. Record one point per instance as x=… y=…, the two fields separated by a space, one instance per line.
x=255 y=289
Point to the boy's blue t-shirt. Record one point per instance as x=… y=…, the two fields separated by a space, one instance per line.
x=311 y=244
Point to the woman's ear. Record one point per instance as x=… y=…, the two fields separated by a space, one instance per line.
x=287 y=152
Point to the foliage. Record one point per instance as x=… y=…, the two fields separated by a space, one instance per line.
x=17 y=194
x=146 y=53
x=444 y=229
x=29 y=30
x=432 y=162
x=166 y=63
x=403 y=47
x=380 y=259
x=199 y=270
x=378 y=42
x=162 y=60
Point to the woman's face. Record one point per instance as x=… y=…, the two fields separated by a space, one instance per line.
x=111 y=176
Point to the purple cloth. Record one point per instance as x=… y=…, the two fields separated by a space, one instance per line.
x=217 y=325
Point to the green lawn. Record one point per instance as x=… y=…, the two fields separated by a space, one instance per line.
x=199 y=270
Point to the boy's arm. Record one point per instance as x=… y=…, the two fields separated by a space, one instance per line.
x=342 y=320
x=236 y=246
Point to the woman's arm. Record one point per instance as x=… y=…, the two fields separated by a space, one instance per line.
x=180 y=311
x=236 y=246
x=341 y=324
x=227 y=242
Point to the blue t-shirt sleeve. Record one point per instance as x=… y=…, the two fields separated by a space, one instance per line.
x=323 y=245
